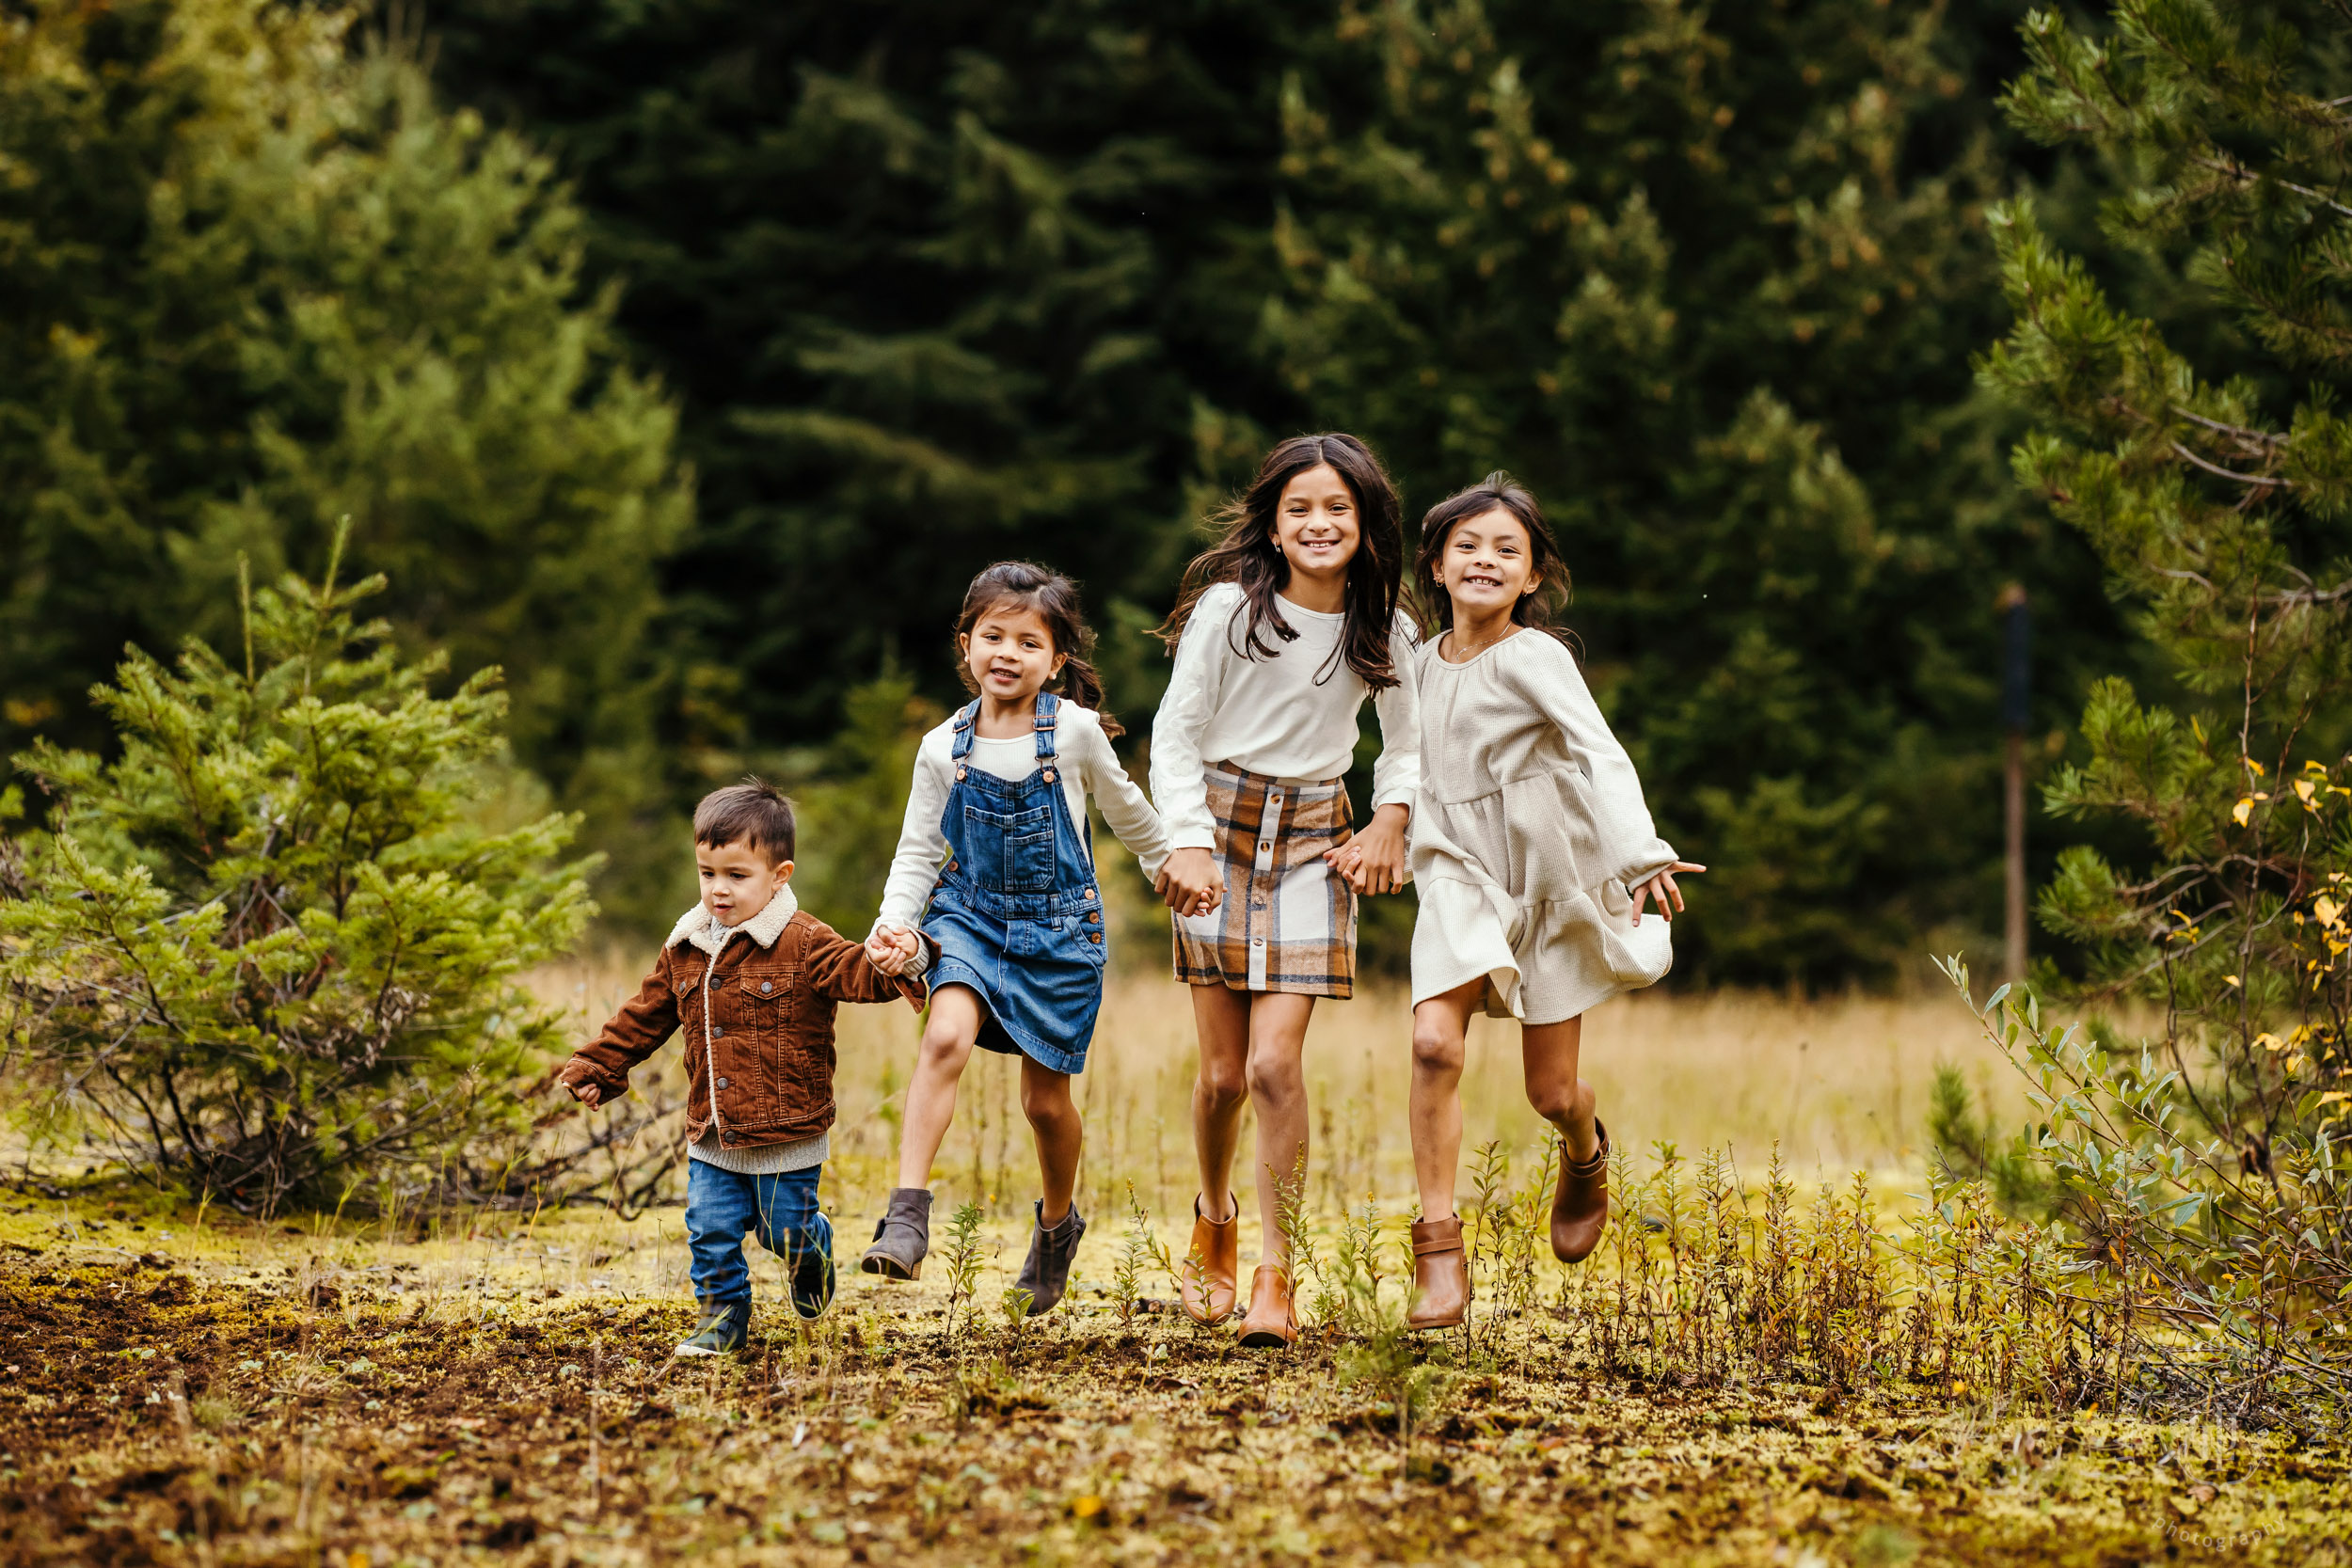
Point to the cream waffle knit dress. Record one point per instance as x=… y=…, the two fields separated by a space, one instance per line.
x=1528 y=835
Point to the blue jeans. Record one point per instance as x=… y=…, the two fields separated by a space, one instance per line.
x=723 y=1206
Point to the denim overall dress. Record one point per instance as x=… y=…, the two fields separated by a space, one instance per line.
x=1016 y=911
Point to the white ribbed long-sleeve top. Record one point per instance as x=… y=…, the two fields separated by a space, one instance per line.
x=1087 y=765
x=1289 y=716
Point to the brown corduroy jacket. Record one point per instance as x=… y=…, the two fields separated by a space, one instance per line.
x=758 y=1022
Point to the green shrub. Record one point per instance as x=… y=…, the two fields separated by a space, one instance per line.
x=270 y=949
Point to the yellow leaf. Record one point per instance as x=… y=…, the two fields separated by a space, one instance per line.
x=2229 y=979
x=2244 y=808
x=2303 y=790
x=2327 y=908
x=2269 y=1042
x=2254 y=768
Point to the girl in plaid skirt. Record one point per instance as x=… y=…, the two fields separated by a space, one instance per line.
x=1282 y=630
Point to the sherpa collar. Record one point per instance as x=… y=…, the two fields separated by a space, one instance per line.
x=697 y=926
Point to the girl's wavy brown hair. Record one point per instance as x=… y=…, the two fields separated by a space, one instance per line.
x=1054 y=600
x=1248 y=556
x=1497 y=490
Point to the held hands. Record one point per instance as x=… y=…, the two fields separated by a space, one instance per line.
x=1188 y=882
x=1374 y=859
x=890 y=948
x=1661 y=887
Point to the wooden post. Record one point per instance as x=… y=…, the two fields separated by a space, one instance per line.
x=2016 y=713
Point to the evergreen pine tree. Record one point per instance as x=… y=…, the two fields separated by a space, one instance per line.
x=259 y=281
x=2214 y=481
x=940 y=284
x=1707 y=277
x=268 y=953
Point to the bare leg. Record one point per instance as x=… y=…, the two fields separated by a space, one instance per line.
x=1278 y=1090
x=1220 y=1016
x=1549 y=1052
x=948 y=1038
x=1060 y=1135
x=1434 y=1107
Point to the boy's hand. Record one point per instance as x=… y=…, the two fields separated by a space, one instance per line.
x=588 y=1094
x=890 y=948
x=1189 y=883
x=1374 y=859
x=1661 y=887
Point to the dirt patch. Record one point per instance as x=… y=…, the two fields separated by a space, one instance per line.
x=152 y=1417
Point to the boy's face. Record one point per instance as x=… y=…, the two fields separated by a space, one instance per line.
x=737 y=880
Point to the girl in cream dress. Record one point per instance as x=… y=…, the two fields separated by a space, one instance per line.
x=1534 y=857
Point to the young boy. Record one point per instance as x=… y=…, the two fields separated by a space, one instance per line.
x=753 y=983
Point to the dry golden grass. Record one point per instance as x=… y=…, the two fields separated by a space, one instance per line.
x=197 y=1388
x=1840 y=1084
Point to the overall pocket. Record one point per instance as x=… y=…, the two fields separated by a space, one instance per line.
x=1018 y=845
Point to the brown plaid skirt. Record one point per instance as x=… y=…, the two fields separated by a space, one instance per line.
x=1288 y=922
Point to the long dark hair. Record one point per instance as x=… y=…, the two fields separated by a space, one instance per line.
x=1054 y=600
x=1497 y=489
x=1248 y=555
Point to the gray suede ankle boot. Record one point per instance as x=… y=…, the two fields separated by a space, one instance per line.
x=1045 y=1275
x=902 y=1236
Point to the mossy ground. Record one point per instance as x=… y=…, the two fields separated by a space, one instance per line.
x=250 y=1395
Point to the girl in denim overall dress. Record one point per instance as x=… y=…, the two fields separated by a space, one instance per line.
x=996 y=862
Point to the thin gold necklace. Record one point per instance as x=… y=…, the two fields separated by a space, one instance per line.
x=1462 y=653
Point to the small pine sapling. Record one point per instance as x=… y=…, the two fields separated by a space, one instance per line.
x=1290 y=1212
x=1015 y=1304
x=963 y=1258
x=1490 y=1174
x=1137 y=1250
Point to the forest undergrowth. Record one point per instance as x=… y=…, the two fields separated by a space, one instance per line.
x=1758 y=1372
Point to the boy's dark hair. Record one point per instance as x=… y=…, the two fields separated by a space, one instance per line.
x=1054 y=600
x=1498 y=491
x=1248 y=556
x=754 y=814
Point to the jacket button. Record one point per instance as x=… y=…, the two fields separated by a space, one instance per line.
x=717 y=1029
x=767 y=984
x=723 y=1082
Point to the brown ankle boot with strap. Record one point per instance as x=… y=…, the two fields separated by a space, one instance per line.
x=1441 y=1284
x=1206 y=1282
x=1580 y=1210
x=1273 y=1321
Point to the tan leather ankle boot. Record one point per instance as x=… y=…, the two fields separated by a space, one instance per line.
x=1441 y=1284
x=1206 y=1282
x=1580 y=1210
x=1272 y=1321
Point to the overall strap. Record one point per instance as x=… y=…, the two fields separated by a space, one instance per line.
x=1046 y=705
x=1081 y=830
x=965 y=718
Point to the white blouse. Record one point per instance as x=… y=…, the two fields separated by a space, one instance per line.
x=1089 y=766
x=1289 y=716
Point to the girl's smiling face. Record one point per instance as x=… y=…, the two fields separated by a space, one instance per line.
x=1315 y=524
x=1011 y=654
x=1488 y=565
